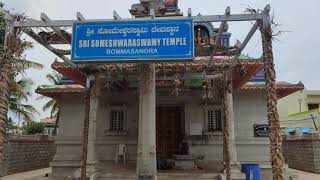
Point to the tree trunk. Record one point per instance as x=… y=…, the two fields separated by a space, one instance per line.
x=277 y=161
x=226 y=129
x=85 y=133
x=5 y=70
x=4 y=92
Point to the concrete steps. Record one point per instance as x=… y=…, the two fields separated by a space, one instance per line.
x=111 y=176
x=163 y=176
x=190 y=176
x=117 y=178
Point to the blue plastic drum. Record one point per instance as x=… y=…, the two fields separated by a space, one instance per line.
x=252 y=171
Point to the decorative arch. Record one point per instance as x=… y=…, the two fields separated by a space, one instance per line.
x=208 y=26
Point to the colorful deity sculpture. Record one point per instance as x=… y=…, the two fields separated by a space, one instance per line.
x=161 y=7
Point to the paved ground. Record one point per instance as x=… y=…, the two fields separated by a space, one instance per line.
x=302 y=175
x=27 y=175
x=298 y=175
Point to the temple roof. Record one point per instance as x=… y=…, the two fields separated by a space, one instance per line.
x=250 y=68
x=55 y=91
x=283 y=88
x=248 y=75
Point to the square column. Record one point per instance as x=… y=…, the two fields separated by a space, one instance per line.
x=146 y=155
x=233 y=148
x=88 y=161
x=235 y=165
x=92 y=136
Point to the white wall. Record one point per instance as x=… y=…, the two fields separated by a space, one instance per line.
x=69 y=138
x=106 y=144
x=249 y=109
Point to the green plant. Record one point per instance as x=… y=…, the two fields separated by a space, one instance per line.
x=34 y=127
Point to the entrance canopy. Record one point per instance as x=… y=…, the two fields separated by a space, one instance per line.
x=191 y=72
x=209 y=41
x=213 y=53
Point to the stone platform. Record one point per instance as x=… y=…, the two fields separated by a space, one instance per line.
x=184 y=162
x=173 y=175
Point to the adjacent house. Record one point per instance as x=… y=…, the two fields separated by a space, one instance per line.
x=49 y=126
x=300 y=111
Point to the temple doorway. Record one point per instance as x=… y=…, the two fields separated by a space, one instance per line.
x=169 y=129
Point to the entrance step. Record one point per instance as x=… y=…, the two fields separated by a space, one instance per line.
x=117 y=178
x=110 y=176
x=190 y=176
x=164 y=176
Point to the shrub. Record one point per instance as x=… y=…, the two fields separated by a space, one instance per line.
x=34 y=128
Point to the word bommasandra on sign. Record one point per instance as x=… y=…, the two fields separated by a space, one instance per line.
x=133 y=40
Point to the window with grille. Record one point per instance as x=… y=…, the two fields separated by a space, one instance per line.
x=214 y=118
x=313 y=106
x=117 y=120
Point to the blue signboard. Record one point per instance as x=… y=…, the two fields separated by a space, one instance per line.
x=163 y=40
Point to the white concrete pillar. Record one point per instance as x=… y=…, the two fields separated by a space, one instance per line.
x=233 y=146
x=235 y=165
x=92 y=136
x=146 y=155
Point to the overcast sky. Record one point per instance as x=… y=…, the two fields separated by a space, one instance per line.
x=296 y=53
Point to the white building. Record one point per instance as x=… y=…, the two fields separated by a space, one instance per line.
x=189 y=108
x=115 y=120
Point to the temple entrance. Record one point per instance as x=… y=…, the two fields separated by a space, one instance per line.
x=169 y=130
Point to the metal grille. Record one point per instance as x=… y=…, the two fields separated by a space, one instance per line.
x=117 y=120
x=214 y=120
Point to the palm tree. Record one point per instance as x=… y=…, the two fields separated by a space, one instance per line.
x=11 y=64
x=10 y=52
x=52 y=104
x=4 y=85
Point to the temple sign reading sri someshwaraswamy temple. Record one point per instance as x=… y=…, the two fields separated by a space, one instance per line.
x=186 y=138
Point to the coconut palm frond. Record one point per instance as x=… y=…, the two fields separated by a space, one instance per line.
x=27 y=64
x=42 y=98
x=52 y=104
x=54 y=110
x=21 y=88
x=22 y=111
x=26 y=84
x=30 y=108
x=20 y=91
x=16 y=89
x=251 y=11
x=55 y=78
x=48 y=105
x=27 y=45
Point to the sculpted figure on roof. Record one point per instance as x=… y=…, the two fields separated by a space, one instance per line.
x=161 y=7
